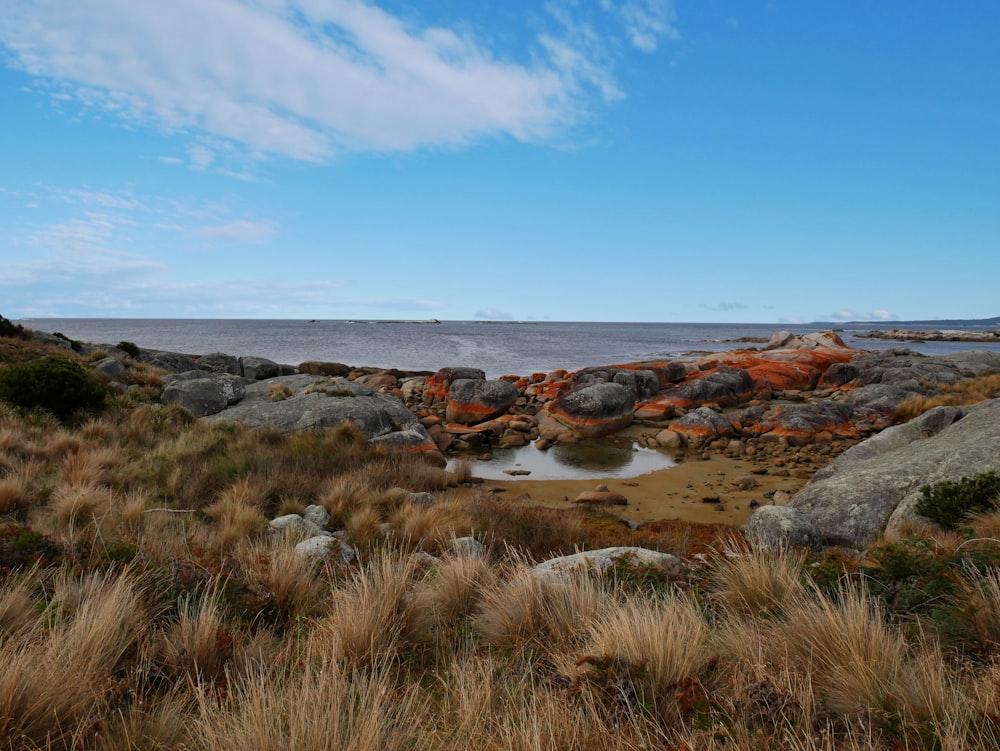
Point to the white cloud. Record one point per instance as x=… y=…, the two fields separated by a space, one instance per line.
x=489 y=314
x=645 y=21
x=854 y=315
x=790 y=319
x=201 y=156
x=240 y=232
x=725 y=307
x=308 y=78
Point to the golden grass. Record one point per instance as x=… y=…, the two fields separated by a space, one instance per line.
x=539 y=613
x=51 y=692
x=966 y=392
x=315 y=708
x=855 y=660
x=367 y=616
x=756 y=584
x=195 y=647
x=217 y=635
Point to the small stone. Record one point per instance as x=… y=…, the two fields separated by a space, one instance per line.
x=601 y=498
x=316 y=514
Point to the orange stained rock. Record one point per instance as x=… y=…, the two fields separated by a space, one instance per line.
x=436 y=387
x=592 y=426
x=657 y=408
x=783 y=375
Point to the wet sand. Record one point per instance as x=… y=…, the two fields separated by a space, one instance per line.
x=695 y=490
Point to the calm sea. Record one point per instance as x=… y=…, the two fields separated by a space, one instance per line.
x=496 y=347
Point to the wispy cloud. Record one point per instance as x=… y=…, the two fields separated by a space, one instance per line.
x=646 y=21
x=241 y=232
x=77 y=264
x=855 y=315
x=489 y=314
x=725 y=307
x=308 y=78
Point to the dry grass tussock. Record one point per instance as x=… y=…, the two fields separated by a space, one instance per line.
x=143 y=605
x=966 y=392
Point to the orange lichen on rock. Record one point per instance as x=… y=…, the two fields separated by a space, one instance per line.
x=656 y=409
x=784 y=375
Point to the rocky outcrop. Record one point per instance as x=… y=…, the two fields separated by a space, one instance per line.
x=203 y=393
x=775 y=529
x=311 y=402
x=171 y=361
x=603 y=561
x=720 y=386
x=700 y=426
x=259 y=368
x=472 y=401
x=436 y=387
x=219 y=362
x=871 y=488
x=943 y=335
x=332 y=369
x=593 y=411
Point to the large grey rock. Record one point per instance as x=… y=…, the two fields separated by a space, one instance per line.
x=259 y=368
x=777 y=528
x=333 y=369
x=471 y=400
x=172 y=361
x=871 y=488
x=317 y=514
x=602 y=561
x=51 y=339
x=325 y=548
x=296 y=526
x=110 y=367
x=202 y=393
x=722 y=386
x=597 y=410
x=219 y=362
x=701 y=426
x=318 y=402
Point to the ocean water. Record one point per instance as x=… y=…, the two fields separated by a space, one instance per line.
x=498 y=348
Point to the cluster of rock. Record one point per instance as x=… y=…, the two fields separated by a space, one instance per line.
x=944 y=335
x=871 y=489
x=799 y=394
x=807 y=391
x=313 y=540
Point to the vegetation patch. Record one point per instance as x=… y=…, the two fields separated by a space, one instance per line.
x=950 y=503
x=55 y=384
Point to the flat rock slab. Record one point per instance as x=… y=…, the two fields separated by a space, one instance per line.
x=871 y=489
x=603 y=561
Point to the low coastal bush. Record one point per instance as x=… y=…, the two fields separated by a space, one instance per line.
x=130 y=348
x=12 y=330
x=55 y=384
x=950 y=503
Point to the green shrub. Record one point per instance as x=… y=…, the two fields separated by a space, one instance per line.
x=949 y=503
x=55 y=384
x=131 y=348
x=73 y=343
x=12 y=330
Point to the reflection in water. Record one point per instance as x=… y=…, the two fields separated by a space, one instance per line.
x=589 y=459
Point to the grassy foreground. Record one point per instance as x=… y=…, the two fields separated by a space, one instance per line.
x=144 y=604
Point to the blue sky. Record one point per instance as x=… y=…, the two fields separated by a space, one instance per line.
x=615 y=160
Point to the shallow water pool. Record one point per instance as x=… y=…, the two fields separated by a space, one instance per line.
x=581 y=461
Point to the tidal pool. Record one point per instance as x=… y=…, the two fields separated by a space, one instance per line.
x=581 y=461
